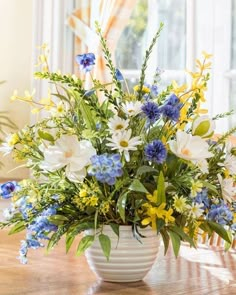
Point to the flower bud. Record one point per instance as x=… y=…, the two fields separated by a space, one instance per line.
x=203 y=126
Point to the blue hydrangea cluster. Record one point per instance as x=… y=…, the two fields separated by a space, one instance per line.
x=220 y=213
x=85 y=61
x=8 y=189
x=171 y=108
x=155 y=152
x=106 y=168
x=151 y=111
x=202 y=198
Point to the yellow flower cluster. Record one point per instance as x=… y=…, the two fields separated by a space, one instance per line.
x=154 y=212
x=197 y=90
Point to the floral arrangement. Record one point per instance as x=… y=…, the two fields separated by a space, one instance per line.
x=111 y=156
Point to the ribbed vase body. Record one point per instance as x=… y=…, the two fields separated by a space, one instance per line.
x=130 y=260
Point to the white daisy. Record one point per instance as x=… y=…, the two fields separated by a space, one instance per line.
x=123 y=142
x=117 y=124
x=195 y=210
x=70 y=153
x=132 y=108
x=227 y=188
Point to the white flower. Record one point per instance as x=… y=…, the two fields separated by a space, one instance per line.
x=229 y=164
x=203 y=126
x=69 y=152
x=188 y=147
x=8 y=145
x=202 y=165
x=123 y=142
x=227 y=188
x=117 y=124
x=132 y=108
x=195 y=210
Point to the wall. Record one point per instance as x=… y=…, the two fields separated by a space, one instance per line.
x=15 y=67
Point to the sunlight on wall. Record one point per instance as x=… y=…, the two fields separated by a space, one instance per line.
x=15 y=66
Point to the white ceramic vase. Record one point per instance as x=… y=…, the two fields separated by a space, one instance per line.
x=129 y=260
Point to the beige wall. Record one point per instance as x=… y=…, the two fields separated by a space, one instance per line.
x=15 y=66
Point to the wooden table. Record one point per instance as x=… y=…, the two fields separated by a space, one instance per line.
x=205 y=271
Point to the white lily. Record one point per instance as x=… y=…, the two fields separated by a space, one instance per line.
x=69 y=152
x=188 y=147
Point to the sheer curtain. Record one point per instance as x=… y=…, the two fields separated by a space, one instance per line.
x=112 y=15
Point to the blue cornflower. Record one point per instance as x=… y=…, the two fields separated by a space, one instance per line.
x=85 y=61
x=151 y=111
x=106 y=168
x=118 y=75
x=202 y=198
x=8 y=189
x=220 y=213
x=155 y=152
x=171 y=108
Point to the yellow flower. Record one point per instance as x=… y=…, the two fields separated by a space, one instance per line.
x=152 y=198
x=196 y=187
x=206 y=55
x=168 y=216
x=145 y=89
x=179 y=203
x=83 y=193
x=160 y=212
x=13 y=139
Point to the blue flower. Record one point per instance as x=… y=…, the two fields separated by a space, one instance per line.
x=154 y=90
x=202 y=198
x=171 y=108
x=155 y=152
x=220 y=213
x=118 y=75
x=106 y=168
x=30 y=242
x=151 y=111
x=85 y=61
x=8 y=189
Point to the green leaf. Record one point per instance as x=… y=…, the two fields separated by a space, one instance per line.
x=87 y=115
x=161 y=195
x=175 y=239
x=183 y=235
x=116 y=229
x=210 y=187
x=145 y=169
x=220 y=231
x=228 y=245
x=84 y=244
x=105 y=243
x=53 y=240
x=57 y=219
x=69 y=241
x=19 y=226
x=166 y=240
x=121 y=204
x=45 y=136
x=137 y=186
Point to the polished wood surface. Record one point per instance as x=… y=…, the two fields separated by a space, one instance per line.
x=205 y=271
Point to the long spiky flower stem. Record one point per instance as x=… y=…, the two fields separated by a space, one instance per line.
x=146 y=58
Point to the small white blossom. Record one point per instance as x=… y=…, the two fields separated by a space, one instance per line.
x=117 y=124
x=227 y=188
x=195 y=210
x=132 y=108
x=123 y=142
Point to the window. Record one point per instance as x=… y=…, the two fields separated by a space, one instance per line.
x=232 y=74
x=170 y=52
x=190 y=27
